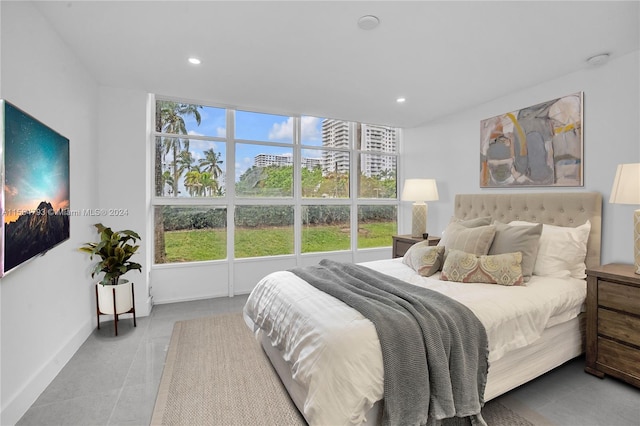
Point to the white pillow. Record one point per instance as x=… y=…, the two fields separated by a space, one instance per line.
x=562 y=250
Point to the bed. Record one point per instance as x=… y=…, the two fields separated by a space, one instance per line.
x=329 y=358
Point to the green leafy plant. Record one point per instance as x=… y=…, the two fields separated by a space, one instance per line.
x=114 y=249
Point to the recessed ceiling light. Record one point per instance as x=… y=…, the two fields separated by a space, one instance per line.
x=368 y=22
x=400 y=100
x=194 y=61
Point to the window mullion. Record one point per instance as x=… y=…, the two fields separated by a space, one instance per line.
x=354 y=184
x=230 y=180
x=297 y=188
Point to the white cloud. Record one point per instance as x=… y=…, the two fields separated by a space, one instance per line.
x=221 y=132
x=310 y=129
x=194 y=133
x=282 y=131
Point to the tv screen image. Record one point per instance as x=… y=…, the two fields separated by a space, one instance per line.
x=35 y=197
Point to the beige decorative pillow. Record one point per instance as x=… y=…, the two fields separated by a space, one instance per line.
x=469 y=223
x=503 y=269
x=473 y=223
x=471 y=240
x=423 y=258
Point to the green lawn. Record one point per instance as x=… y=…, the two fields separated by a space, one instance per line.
x=376 y=234
x=207 y=244
x=190 y=246
x=325 y=238
x=263 y=241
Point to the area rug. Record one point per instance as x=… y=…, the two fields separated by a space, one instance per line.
x=216 y=373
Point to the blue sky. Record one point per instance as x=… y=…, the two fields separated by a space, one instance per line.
x=250 y=126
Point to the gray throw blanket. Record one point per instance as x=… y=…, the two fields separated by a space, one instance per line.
x=434 y=349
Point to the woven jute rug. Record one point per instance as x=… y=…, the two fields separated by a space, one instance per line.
x=216 y=373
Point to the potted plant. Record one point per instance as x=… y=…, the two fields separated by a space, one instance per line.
x=115 y=248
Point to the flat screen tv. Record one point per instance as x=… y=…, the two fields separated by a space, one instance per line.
x=35 y=188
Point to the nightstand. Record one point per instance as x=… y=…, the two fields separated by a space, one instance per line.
x=401 y=243
x=613 y=322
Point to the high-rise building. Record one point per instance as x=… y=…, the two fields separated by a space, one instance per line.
x=379 y=139
x=311 y=163
x=265 y=160
x=335 y=134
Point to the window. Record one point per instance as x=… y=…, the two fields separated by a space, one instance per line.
x=190 y=150
x=264 y=173
x=263 y=230
x=193 y=233
x=325 y=228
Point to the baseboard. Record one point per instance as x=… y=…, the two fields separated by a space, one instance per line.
x=19 y=403
x=189 y=299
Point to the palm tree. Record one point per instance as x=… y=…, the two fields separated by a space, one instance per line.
x=192 y=182
x=183 y=164
x=211 y=163
x=209 y=184
x=167 y=179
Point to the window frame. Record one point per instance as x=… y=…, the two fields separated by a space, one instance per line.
x=230 y=199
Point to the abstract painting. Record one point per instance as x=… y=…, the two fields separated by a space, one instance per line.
x=35 y=196
x=540 y=145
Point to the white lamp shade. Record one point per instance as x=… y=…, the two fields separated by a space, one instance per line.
x=626 y=185
x=419 y=190
x=626 y=190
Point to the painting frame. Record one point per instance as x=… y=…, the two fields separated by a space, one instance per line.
x=540 y=145
x=35 y=176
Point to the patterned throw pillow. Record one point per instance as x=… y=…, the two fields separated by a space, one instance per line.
x=423 y=258
x=503 y=269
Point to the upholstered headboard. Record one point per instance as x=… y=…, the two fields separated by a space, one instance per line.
x=557 y=208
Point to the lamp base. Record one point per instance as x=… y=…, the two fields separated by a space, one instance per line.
x=418 y=220
x=636 y=240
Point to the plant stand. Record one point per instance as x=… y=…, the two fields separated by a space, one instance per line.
x=115 y=301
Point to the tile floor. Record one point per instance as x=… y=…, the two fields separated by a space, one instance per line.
x=114 y=381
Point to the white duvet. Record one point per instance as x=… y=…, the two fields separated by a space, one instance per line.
x=334 y=351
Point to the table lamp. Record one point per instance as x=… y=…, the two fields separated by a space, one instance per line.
x=626 y=190
x=419 y=191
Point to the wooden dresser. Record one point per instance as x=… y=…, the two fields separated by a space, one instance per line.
x=401 y=243
x=613 y=322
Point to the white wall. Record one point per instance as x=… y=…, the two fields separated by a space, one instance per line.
x=449 y=149
x=123 y=175
x=47 y=305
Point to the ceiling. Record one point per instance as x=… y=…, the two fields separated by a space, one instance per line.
x=311 y=58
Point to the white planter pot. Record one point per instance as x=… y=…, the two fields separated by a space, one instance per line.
x=123 y=295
